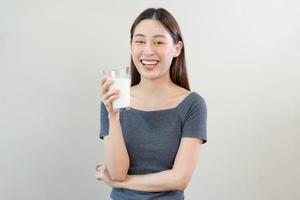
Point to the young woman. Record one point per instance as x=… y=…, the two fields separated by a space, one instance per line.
x=152 y=149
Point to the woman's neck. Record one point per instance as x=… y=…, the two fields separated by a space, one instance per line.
x=157 y=87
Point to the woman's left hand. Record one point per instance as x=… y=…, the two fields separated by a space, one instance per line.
x=103 y=174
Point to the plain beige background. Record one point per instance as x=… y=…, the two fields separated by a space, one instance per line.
x=243 y=57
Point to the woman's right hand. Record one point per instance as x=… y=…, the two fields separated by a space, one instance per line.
x=107 y=96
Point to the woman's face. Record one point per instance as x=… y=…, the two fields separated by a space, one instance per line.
x=153 y=49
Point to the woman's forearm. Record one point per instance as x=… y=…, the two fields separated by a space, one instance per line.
x=116 y=155
x=155 y=182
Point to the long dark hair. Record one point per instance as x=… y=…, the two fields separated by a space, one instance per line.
x=178 y=71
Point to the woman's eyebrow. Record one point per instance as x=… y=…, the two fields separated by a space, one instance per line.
x=139 y=35
x=159 y=36
x=142 y=35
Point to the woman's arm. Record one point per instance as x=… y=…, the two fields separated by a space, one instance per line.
x=116 y=155
x=176 y=178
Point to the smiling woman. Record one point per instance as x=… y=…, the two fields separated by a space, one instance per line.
x=163 y=28
x=153 y=48
x=152 y=149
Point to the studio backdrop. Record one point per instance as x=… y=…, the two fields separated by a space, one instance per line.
x=243 y=57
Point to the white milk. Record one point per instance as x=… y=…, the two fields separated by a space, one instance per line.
x=123 y=101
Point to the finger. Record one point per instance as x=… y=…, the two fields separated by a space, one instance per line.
x=108 y=101
x=103 y=79
x=104 y=167
x=98 y=165
x=101 y=175
x=99 y=168
x=98 y=176
x=105 y=86
x=109 y=98
x=109 y=93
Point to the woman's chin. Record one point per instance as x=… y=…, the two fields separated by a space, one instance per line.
x=149 y=71
x=149 y=76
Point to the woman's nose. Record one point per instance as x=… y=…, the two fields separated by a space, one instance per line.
x=148 y=49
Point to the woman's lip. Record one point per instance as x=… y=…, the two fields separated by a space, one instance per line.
x=149 y=67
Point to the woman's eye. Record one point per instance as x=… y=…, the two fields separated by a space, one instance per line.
x=139 y=42
x=158 y=43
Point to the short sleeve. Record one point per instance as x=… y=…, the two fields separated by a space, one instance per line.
x=104 y=123
x=195 y=120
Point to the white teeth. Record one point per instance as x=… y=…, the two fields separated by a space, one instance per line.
x=149 y=62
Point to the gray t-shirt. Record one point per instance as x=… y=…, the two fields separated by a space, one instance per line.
x=152 y=139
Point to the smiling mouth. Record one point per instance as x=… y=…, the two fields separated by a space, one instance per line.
x=149 y=62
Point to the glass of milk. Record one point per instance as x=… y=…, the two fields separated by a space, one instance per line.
x=121 y=78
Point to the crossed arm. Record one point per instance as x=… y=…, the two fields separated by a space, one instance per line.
x=176 y=178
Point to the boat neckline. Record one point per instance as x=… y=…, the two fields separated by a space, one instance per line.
x=167 y=109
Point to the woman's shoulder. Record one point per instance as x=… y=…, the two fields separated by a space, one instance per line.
x=197 y=97
x=193 y=105
x=192 y=98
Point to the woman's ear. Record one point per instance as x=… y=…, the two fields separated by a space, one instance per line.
x=178 y=48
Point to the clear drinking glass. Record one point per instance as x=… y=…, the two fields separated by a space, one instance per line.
x=121 y=78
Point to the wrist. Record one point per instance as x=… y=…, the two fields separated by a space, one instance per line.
x=121 y=184
x=113 y=115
